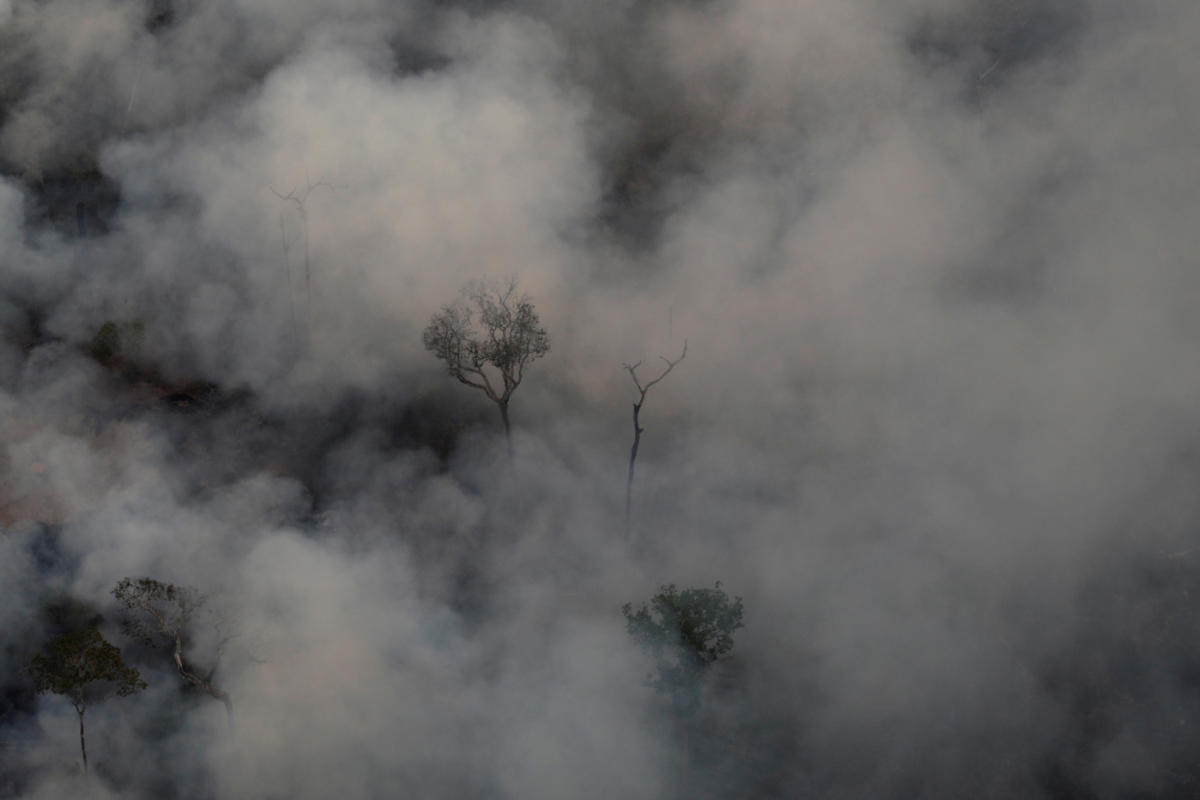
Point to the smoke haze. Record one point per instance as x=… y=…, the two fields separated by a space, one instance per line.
x=935 y=264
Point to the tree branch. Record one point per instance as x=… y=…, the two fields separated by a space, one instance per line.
x=670 y=366
x=638 y=430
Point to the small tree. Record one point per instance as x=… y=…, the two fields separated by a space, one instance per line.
x=638 y=430
x=686 y=633
x=73 y=665
x=163 y=611
x=490 y=328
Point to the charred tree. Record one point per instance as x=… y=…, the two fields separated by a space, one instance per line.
x=638 y=430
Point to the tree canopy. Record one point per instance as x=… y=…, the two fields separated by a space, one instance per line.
x=489 y=328
x=161 y=611
x=685 y=632
x=71 y=663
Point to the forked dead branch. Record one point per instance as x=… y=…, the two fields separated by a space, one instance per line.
x=638 y=430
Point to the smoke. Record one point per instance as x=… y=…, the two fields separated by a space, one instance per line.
x=934 y=264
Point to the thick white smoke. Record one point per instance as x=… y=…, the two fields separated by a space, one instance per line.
x=934 y=263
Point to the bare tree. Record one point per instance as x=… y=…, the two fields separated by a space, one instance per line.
x=163 y=611
x=73 y=664
x=299 y=198
x=638 y=430
x=489 y=329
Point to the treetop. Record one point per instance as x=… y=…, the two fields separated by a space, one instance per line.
x=71 y=663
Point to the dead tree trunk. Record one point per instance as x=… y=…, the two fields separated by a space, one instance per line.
x=203 y=684
x=300 y=198
x=82 y=741
x=637 y=440
x=638 y=430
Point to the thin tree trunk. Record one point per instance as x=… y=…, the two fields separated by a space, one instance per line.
x=202 y=684
x=82 y=744
x=637 y=440
x=308 y=278
x=287 y=266
x=224 y=698
x=507 y=429
x=638 y=430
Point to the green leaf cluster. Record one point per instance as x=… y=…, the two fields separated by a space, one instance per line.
x=686 y=632
x=492 y=325
x=72 y=663
x=114 y=340
x=165 y=608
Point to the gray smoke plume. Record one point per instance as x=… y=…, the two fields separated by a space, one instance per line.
x=935 y=265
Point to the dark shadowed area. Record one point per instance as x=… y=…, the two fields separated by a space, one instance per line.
x=935 y=264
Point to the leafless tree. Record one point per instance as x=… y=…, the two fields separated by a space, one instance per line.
x=489 y=329
x=163 y=611
x=299 y=198
x=638 y=430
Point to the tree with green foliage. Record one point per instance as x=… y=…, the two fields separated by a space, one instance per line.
x=115 y=341
x=686 y=632
x=489 y=329
x=159 y=612
x=84 y=668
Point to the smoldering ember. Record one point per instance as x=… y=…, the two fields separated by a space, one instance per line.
x=639 y=399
